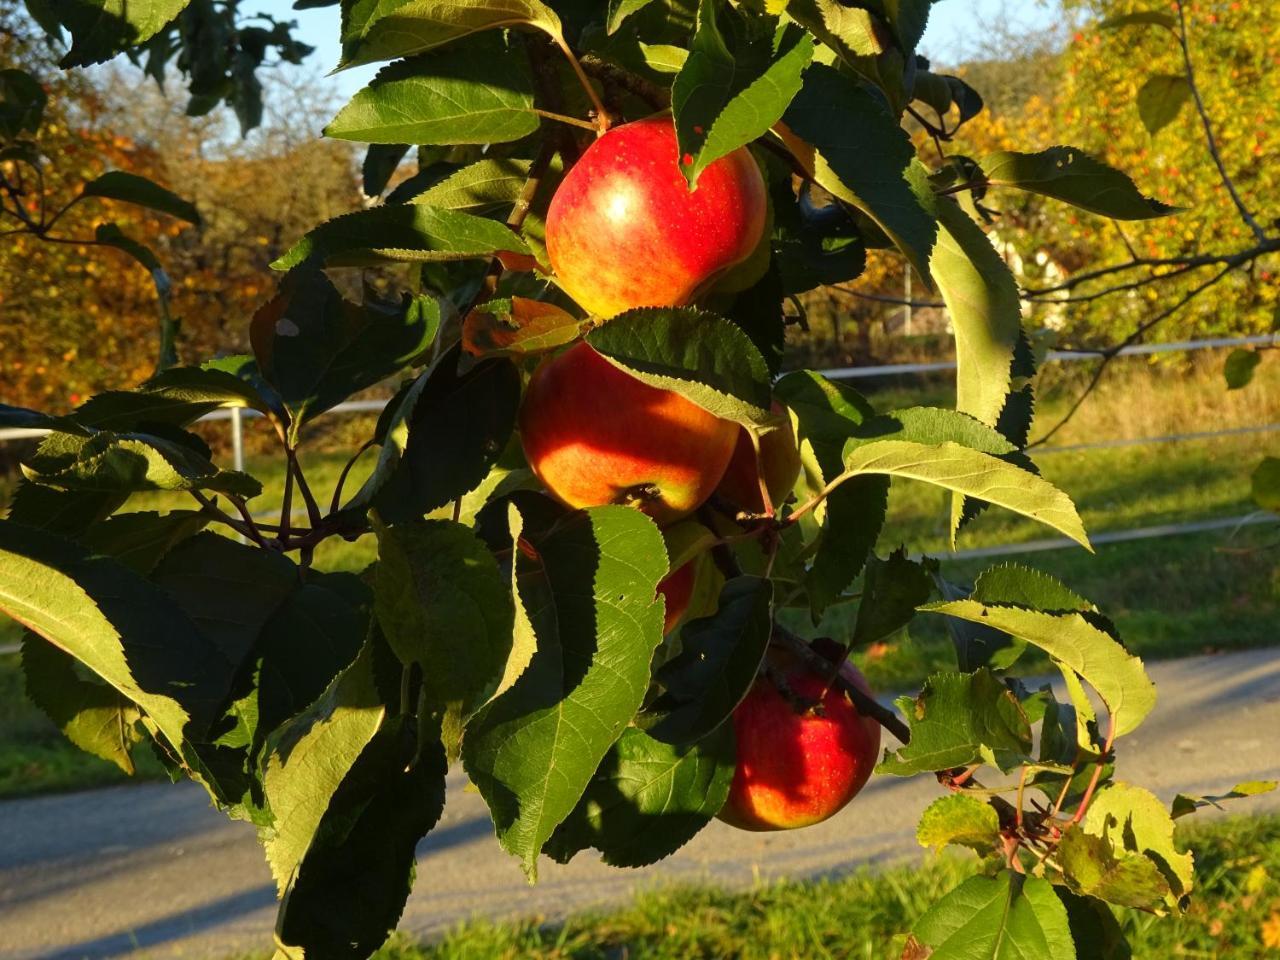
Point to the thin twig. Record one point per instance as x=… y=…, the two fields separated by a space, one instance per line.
x=866 y=705
x=342 y=477
x=1212 y=142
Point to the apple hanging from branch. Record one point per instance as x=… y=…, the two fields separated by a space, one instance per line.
x=624 y=230
x=594 y=434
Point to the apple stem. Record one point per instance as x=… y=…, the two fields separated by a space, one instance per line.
x=602 y=115
x=561 y=118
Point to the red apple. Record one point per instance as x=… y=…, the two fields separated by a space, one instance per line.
x=741 y=482
x=677 y=590
x=594 y=434
x=798 y=768
x=624 y=230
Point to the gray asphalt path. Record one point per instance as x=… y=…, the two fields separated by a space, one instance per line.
x=153 y=871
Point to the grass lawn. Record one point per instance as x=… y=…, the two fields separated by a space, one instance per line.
x=1235 y=915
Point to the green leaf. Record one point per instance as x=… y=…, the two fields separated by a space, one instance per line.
x=1143 y=17
x=960 y=819
x=1093 y=868
x=350 y=889
x=1265 y=483
x=131 y=188
x=102 y=28
x=1073 y=639
x=480 y=92
x=142 y=409
x=127 y=462
x=591 y=597
x=94 y=716
x=22 y=103
x=704 y=358
x=1094 y=928
x=734 y=85
x=1184 y=804
x=719 y=658
x=1006 y=917
x=117 y=624
x=892 y=590
x=444 y=605
x=446 y=434
x=648 y=799
x=1073 y=176
x=110 y=235
x=852 y=32
x=862 y=156
x=381 y=161
x=1134 y=820
x=374 y=30
x=959 y=719
x=1239 y=368
x=308 y=759
x=1161 y=100
x=205 y=388
x=66 y=512
x=518 y=327
x=482 y=188
x=410 y=233
x=141 y=540
x=317 y=348
x=229 y=589
x=827 y=415
x=908 y=19
x=619 y=10
x=25 y=419
x=971 y=473
x=983 y=303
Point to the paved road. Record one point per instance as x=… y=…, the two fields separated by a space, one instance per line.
x=151 y=871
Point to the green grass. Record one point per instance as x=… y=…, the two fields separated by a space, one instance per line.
x=860 y=915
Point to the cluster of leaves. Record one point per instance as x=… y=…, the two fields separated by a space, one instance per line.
x=525 y=639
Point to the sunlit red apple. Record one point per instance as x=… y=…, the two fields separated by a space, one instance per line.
x=798 y=768
x=623 y=229
x=594 y=434
x=781 y=459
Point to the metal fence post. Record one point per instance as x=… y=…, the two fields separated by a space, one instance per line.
x=237 y=439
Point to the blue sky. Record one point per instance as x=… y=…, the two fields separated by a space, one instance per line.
x=955 y=27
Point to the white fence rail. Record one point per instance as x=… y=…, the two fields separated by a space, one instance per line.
x=236 y=419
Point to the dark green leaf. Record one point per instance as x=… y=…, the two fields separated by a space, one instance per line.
x=317 y=348
x=482 y=188
x=1239 y=368
x=891 y=591
x=381 y=161
x=410 y=233
x=735 y=84
x=140 y=540
x=908 y=19
x=959 y=719
x=110 y=235
x=1073 y=176
x=719 y=658
x=205 y=388
x=445 y=436
x=1265 y=483
x=705 y=358
x=591 y=597
x=102 y=28
x=1094 y=928
x=443 y=604
x=862 y=156
x=22 y=103
x=1094 y=868
x=1161 y=100
x=648 y=799
x=480 y=92
x=619 y=10
x=374 y=30
x=131 y=188
x=118 y=625
x=127 y=462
